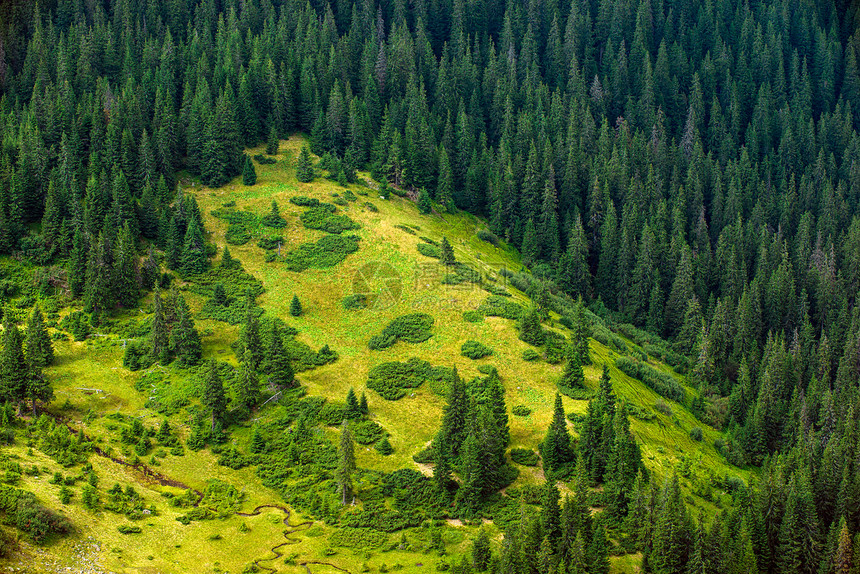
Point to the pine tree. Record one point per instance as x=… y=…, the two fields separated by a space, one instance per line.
x=14 y=371
x=425 y=205
x=362 y=405
x=78 y=262
x=159 y=337
x=550 y=513
x=38 y=347
x=273 y=141
x=258 y=441
x=573 y=377
x=149 y=273
x=352 y=409
x=249 y=336
x=249 y=174
x=248 y=385
x=295 y=307
x=304 y=166
x=481 y=551
x=193 y=259
x=598 y=552
x=445 y=188
x=531 y=244
x=842 y=557
x=530 y=329
x=184 y=339
x=127 y=280
x=345 y=464
x=213 y=396
x=555 y=447
x=278 y=364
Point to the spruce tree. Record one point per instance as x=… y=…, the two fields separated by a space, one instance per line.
x=149 y=273
x=249 y=336
x=127 y=280
x=38 y=347
x=247 y=386
x=78 y=262
x=481 y=551
x=598 y=551
x=345 y=464
x=279 y=368
x=530 y=329
x=425 y=205
x=573 y=377
x=352 y=409
x=273 y=141
x=213 y=396
x=295 y=306
x=159 y=337
x=362 y=405
x=193 y=258
x=531 y=244
x=304 y=166
x=184 y=339
x=14 y=371
x=249 y=174
x=555 y=447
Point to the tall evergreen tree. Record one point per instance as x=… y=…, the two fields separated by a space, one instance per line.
x=38 y=347
x=345 y=464
x=213 y=396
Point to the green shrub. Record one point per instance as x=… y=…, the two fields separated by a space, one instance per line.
x=367 y=432
x=488 y=236
x=521 y=410
x=358 y=538
x=661 y=383
x=696 y=434
x=412 y=328
x=354 y=302
x=370 y=207
x=324 y=220
x=475 y=350
x=472 y=316
x=303 y=201
x=408 y=230
x=428 y=250
x=269 y=243
x=392 y=379
x=384 y=447
x=530 y=355
x=497 y=306
x=327 y=252
x=524 y=456
x=237 y=234
x=129 y=529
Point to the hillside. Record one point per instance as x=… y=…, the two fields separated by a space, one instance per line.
x=96 y=395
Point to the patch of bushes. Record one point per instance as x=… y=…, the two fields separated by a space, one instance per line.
x=129 y=529
x=428 y=250
x=354 y=302
x=370 y=207
x=524 y=456
x=696 y=434
x=460 y=273
x=475 y=350
x=488 y=236
x=497 y=306
x=661 y=383
x=21 y=509
x=263 y=160
x=392 y=379
x=530 y=355
x=269 y=243
x=327 y=252
x=412 y=328
x=367 y=432
x=358 y=538
x=663 y=407
x=521 y=411
x=472 y=316
x=325 y=220
x=408 y=230
x=303 y=201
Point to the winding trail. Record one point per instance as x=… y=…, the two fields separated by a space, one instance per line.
x=291 y=529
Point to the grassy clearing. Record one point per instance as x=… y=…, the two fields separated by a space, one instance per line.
x=90 y=377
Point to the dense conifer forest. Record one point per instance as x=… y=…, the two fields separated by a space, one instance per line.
x=682 y=174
